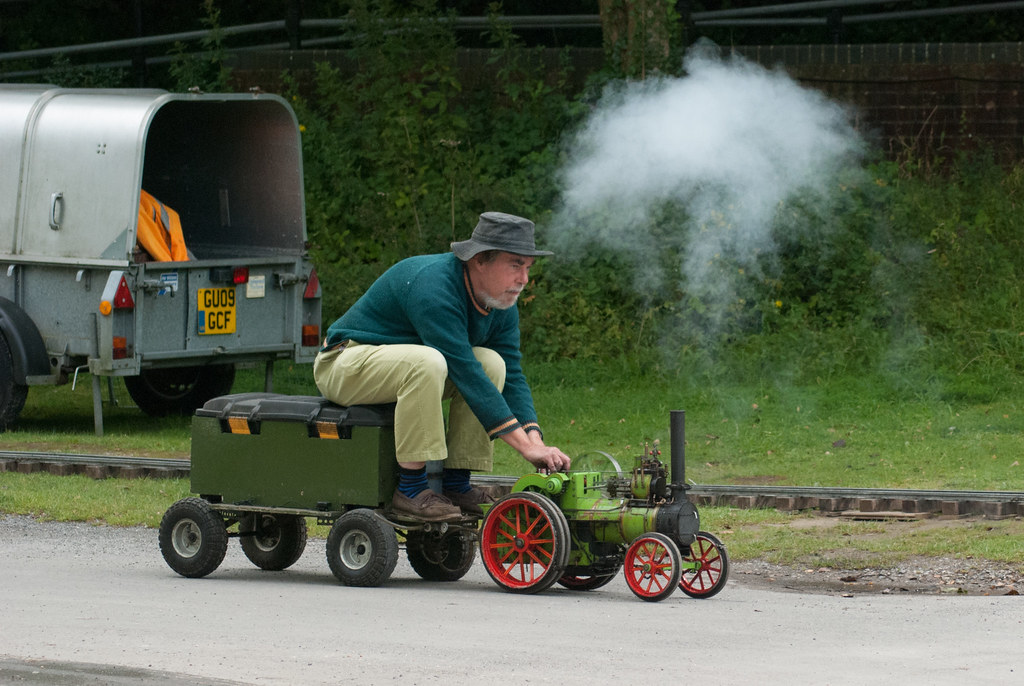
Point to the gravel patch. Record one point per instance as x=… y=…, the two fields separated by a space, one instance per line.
x=922 y=575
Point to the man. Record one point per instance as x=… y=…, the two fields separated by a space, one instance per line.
x=443 y=326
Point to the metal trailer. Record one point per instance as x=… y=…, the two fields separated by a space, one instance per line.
x=77 y=293
x=264 y=463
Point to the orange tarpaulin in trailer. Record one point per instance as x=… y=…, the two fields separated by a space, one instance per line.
x=159 y=230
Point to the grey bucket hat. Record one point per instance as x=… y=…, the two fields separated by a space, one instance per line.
x=499 y=231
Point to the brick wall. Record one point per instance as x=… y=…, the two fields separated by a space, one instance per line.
x=932 y=98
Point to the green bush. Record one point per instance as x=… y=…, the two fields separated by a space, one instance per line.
x=906 y=272
x=399 y=160
x=909 y=274
x=965 y=292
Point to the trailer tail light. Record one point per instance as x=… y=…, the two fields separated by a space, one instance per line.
x=312 y=286
x=310 y=335
x=120 y=348
x=240 y=275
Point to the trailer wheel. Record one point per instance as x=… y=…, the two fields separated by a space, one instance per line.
x=712 y=567
x=447 y=557
x=12 y=394
x=276 y=541
x=361 y=549
x=193 y=538
x=179 y=390
x=653 y=566
x=524 y=542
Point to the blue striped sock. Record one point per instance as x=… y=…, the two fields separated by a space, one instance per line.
x=412 y=482
x=456 y=480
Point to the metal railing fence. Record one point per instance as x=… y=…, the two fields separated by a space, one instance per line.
x=768 y=15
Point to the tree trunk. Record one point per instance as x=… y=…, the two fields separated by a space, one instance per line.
x=637 y=35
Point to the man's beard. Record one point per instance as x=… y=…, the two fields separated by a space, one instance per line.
x=497 y=304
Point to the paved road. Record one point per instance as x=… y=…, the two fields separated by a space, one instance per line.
x=82 y=604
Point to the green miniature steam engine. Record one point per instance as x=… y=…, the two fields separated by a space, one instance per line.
x=264 y=463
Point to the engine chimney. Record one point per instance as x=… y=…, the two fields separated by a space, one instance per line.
x=677 y=451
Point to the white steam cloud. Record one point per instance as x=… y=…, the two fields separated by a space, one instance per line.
x=703 y=164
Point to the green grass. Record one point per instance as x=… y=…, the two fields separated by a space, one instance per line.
x=119 y=502
x=60 y=419
x=807 y=540
x=848 y=432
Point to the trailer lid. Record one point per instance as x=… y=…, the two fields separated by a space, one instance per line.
x=229 y=164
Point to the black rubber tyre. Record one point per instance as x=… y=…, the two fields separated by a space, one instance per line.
x=440 y=558
x=193 y=538
x=276 y=542
x=12 y=394
x=179 y=390
x=361 y=549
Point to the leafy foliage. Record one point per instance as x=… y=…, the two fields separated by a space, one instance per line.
x=909 y=267
x=206 y=70
x=906 y=267
x=400 y=160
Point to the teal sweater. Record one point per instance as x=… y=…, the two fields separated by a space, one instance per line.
x=428 y=300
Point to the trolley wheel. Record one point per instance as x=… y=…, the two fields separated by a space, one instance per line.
x=193 y=538
x=361 y=549
x=276 y=541
x=712 y=567
x=444 y=557
x=524 y=542
x=585 y=583
x=653 y=566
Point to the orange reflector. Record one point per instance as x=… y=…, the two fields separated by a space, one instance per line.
x=238 y=425
x=327 y=430
x=310 y=335
x=106 y=307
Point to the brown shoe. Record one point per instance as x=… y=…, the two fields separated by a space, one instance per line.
x=427 y=506
x=471 y=500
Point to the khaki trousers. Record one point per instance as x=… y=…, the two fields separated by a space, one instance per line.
x=415 y=377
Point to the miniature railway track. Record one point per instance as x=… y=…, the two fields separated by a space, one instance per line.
x=96 y=466
x=862 y=502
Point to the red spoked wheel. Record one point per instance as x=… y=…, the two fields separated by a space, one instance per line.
x=653 y=566
x=712 y=567
x=524 y=542
x=585 y=583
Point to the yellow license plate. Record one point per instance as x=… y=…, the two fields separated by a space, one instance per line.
x=216 y=310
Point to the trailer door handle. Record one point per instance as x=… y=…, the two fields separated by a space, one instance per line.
x=55 y=198
x=287 y=279
x=156 y=285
